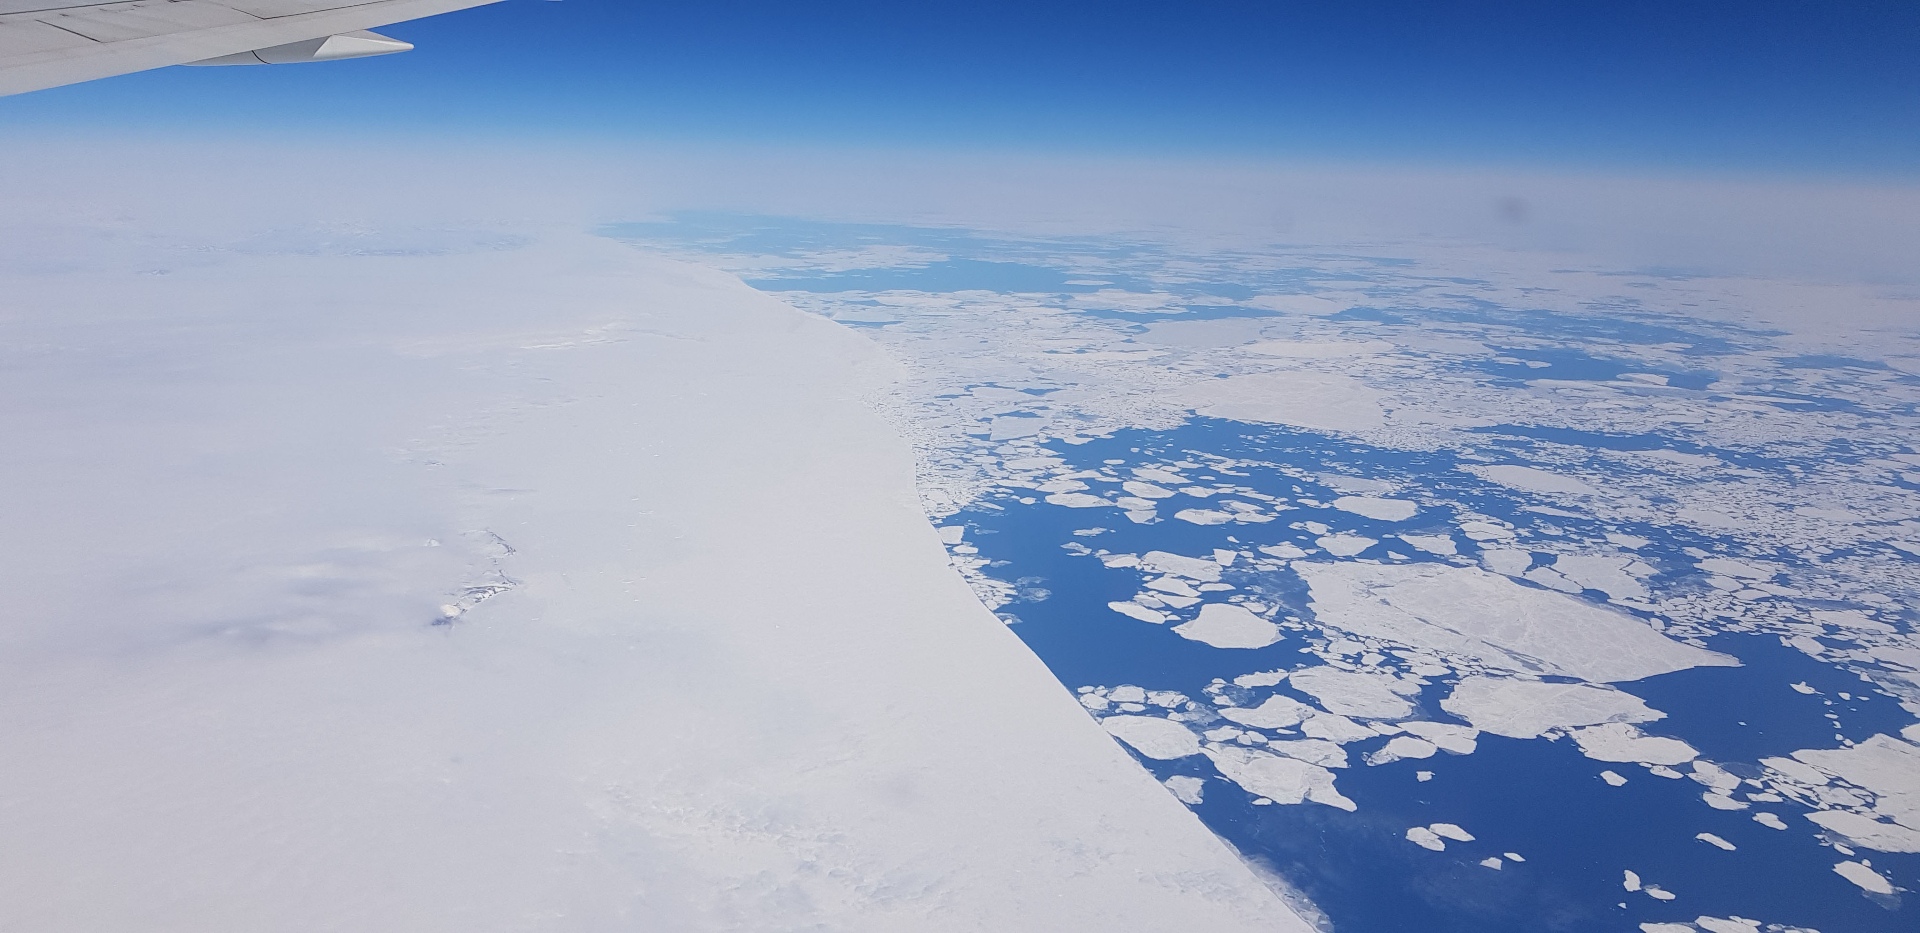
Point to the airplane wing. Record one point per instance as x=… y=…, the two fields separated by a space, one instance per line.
x=47 y=43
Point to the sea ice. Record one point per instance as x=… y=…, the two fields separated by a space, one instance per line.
x=1491 y=862
x=1426 y=839
x=1618 y=741
x=1609 y=575
x=1869 y=880
x=1386 y=510
x=1715 y=841
x=1450 y=831
x=1154 y=737
x=1524 y=709
x=1532 y=480
x=1283 y=780
x=1227 y=625
x=1077 y=500
x=1869 y=833
x=1137 y=611
x=1345 y=544
x=1769 y=820
x=1313 y=751
x=1204 y=516
x=1401 y=746
x=1460 y=740
x=1442 y=545
x=1187 y=788
x=1197 y=568
x=1612 y=778
x=1277 y=712
x=1467 y=611
x=1301 y=398
x=1350 y=693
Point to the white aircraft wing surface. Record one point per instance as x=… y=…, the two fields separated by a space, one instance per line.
x=47 y=43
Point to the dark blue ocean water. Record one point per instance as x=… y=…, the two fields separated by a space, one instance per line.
x=1539 y=798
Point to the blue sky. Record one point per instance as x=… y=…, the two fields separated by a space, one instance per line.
x=1802 y=87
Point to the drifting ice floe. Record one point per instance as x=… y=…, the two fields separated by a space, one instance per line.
x=1532 y=480
x=1386 y=510
x=1350 y=693
x=1283 y=780
x=1484 y=616
x=1316 y=401
x=1618 y=741
x=1869 y=880
x=1154 y=737
x=1228 y=625
x=1525 y=709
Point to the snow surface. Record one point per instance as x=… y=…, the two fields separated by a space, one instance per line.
x=712 y=668
x=1229 y=625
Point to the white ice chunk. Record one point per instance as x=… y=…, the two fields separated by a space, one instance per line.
x=1187 y=788
x=1226 y=625
x=1630 y=881
x=1769 y=820
x=1425 y=839
x=1531 y=479
x=1618 y=741
x=1335 y=728
x=1451 y=831
x=1491 y=862
x=1283 y=780
x=1277 y=712
x=1313 y=751
x=1301 y=398
x=1715 y=841
x=1137 y=611
x=1345 y=544
x=1467 y=611
x=1077 y=500
x=1524 y=709
x=1145 y=490
x=1386 y=510
x=1154 y=737
x=1607 y=574
x=1667 y=928
x=1726 y=925
x=1350 y=693
x=1869 y=833
x=1460 y=740
x=1433 y=544
x=1869 y=880
x=1261 y=679
x=1197 y=568
x=1613 y=778
x=1283 y=551
x=1509 y=562
x=1402 y=746
x=953 y=534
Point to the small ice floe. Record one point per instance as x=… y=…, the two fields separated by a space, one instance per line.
x=1665 y=772
x=1658 y=893
x=1715 y=841
x=1442 y=545
x=1491 y=862
x=1513 y=856
x=1729 y=925
x=1631 y=881
x=1402 y=746
x=1351 y=693
x=1187 y=788
x=1146 y=490
x=1204 y=516
x=952 y=534
x=1868 y=833
x=1612 y=778
x=1862 y=874
x=1450 y=831
x=1283 y=551
x=1137 y=611
x=1508 y=562
x=1386 y=510
x=1276 y=712
x=1426 y=839
x=1423 y=776
x=1460 y=740
x=1720 y=801
x=1156 y=738
x=1312 y=751
x=1667 y=928
x=1196 y=568
x=1226 y=625
x=1283 y=780
x=1345 y=544
x=1077 y=500
x=1260 y=679
x=1619 y=741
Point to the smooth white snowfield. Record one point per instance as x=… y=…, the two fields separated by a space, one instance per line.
x=732 y=682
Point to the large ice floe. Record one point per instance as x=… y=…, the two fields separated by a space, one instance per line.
x=1487 y=617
